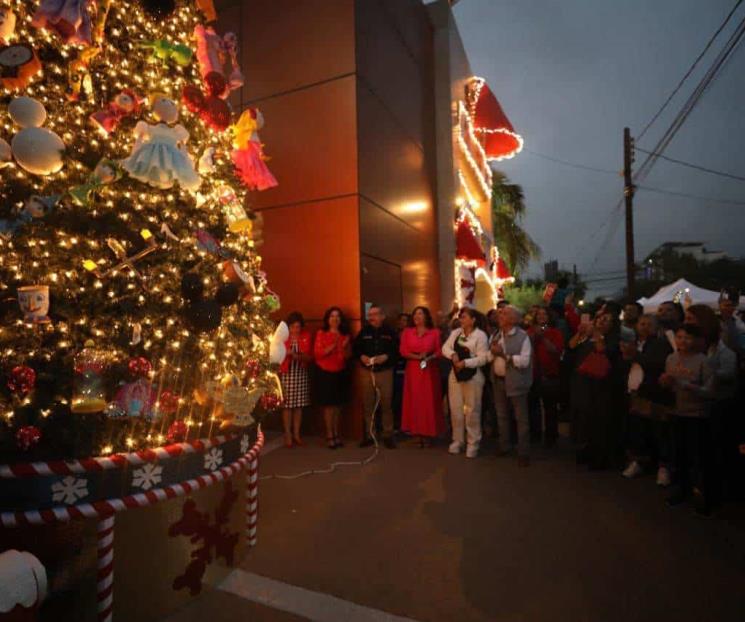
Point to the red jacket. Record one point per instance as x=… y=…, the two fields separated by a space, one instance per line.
x=546 y=364
x=337 y=359
x=304 y=346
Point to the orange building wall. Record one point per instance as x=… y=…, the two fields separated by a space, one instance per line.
x=345 y=90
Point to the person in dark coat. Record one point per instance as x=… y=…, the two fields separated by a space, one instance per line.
x=376 y=349
x=649 y=433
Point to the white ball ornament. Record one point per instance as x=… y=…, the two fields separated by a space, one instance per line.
x=38 y=150
x=27 y=112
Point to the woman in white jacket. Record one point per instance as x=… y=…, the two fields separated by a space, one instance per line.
x=468 y=349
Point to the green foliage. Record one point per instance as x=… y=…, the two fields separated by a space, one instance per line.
x=515 y=245
x=524 y=296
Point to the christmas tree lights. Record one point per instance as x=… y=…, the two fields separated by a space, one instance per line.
x=133 y=242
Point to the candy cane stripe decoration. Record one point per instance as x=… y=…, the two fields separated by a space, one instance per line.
x=105 y=575
x=252 y=501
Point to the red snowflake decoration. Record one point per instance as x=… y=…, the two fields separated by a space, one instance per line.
x=216 y=541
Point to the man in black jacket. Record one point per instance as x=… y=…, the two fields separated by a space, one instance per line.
x=376 y=348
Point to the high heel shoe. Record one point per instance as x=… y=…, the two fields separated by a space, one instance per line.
x=288 y=444
x=331 y=442
x=338 y=442
x=298 y=442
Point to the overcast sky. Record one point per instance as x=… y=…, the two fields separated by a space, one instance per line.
x=570 y=75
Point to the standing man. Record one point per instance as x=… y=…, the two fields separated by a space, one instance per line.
x=731 y=326
x=376 y=348
x=512 y=375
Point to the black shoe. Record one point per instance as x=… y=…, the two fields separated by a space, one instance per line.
x=366 y=442
x=389 y=444
x=675 y=499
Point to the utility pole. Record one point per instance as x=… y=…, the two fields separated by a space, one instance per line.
x=628 y=193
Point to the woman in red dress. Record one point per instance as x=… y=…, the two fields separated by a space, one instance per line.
x=422 y=403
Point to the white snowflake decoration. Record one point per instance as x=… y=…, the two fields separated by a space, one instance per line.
x=213 y=459
x=69 y=490
x=148 y=476
x=245 y=442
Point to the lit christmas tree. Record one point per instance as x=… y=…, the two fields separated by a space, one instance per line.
x=134 y=309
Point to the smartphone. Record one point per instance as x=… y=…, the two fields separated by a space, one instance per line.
x=628 y=335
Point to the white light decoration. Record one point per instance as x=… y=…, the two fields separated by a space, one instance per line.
x=473 y=152
x=475 y=86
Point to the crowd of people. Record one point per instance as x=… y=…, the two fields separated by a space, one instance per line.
x=644 y=393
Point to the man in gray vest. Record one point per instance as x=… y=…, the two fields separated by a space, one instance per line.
x=512 y=374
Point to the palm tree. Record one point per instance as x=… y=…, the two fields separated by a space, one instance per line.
x=516 y=247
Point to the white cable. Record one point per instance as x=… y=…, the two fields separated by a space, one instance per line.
x=334 y=465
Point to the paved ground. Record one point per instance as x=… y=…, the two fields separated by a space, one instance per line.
x=429 y=536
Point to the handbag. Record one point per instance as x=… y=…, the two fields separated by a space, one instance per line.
x=465 y=374
x=595 y=366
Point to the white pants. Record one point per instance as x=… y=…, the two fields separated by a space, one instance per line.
x=465 y=409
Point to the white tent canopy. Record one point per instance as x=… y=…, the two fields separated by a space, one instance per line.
x=684 y=292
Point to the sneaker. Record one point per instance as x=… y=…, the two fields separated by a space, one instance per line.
x=389 y=444
x=454 y=448
x=663 y=477
x=472 y=452
x=634 y=470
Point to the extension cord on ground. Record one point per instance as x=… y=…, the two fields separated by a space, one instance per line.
x=334 y=465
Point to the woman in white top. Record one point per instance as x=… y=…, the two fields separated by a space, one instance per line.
x=468 y=349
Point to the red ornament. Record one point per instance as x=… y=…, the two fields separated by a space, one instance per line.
x=216 y=84
x=253 y=367
x=139 y=367
x=177 y=432
x=168 y=402
x=270 y=402
x=22 y=380
x=27 y=437
x=216 y=113
x=192 y=98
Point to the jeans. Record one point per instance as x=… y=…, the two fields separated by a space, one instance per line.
x=694 y=456
x=650 y=438
x=520 y=406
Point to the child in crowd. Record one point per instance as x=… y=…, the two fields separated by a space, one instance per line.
x=685 y=373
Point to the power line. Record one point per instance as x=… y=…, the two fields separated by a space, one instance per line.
x=573 y=164
x=693 y=166
x=690 y=70
x=690 y=196
x=711 y=74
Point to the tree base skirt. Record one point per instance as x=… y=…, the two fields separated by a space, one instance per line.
x=144 y=564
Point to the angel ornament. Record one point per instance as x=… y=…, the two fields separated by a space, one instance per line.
x=159 y=157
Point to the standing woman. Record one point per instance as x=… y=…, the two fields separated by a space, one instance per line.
x=422 y=392
x=293 y=373
x=331 y=350
x=548 y=345
x=467 y=348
